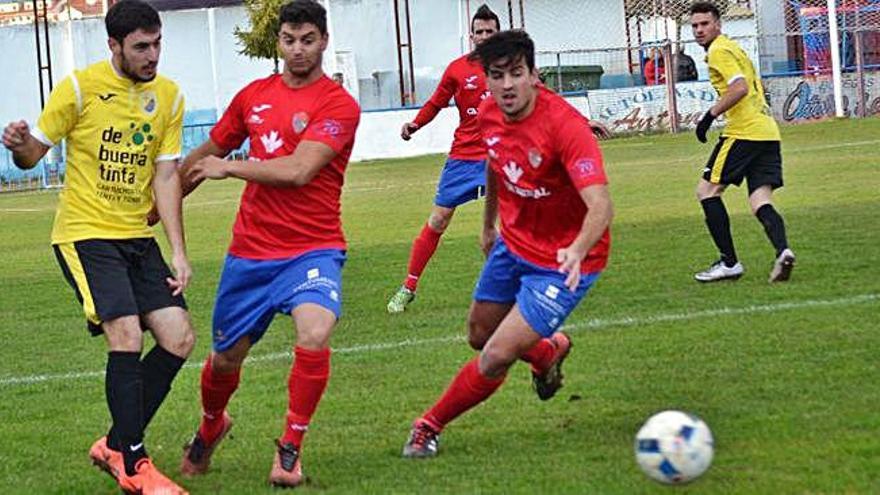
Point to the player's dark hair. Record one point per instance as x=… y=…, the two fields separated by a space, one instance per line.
x=303 y=11
x=510 y=46
x=127 y=16
x=705 y=8
x=484 y=13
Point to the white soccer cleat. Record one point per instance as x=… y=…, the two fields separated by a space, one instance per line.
x=720 y=271
x=782 y=267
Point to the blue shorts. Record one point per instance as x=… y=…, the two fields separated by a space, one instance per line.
x=251 y=292
x=461 y=181
x=543 y=299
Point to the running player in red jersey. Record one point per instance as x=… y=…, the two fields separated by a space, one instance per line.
x=287 y=248
x=464 y=176
x=548 y=186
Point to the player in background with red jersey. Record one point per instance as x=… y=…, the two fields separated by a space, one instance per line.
x=548 y=186
x=287 y=248
x=464 y=175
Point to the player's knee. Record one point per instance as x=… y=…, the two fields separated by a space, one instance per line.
x=494 y=361
x=227 y=361
x=186 y=342
x=315 y=338
x=439 y=221
x=125 y=339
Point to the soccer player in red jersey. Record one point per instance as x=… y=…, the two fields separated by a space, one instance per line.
x=464 y=176
x=287 y=248
x=548 y=186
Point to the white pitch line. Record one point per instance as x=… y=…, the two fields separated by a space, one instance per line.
x=590 y=324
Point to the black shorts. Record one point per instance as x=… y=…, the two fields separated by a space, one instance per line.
x=114 y=278
x=732 y=160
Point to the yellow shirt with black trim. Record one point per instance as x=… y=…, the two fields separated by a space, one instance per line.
x=116 y=131
x=750 y=118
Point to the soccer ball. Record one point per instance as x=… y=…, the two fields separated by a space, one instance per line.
x=674 y=447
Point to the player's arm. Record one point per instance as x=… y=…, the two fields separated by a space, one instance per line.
x=490 y=213
x=438 y=101
x=725 y=64
x=204 y=150
x=293 y=170
x=600 y=211
x=736 y=91
x=26 y=149
x=168 y=197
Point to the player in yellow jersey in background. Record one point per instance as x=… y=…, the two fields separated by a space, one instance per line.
x=123 y=126
x=748 y=149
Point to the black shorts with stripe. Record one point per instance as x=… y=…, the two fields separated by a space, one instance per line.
x=732 y=160
x=114 y=278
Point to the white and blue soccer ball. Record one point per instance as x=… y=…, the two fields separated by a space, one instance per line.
x=674 y=447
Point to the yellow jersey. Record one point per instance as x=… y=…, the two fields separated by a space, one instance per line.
x=750 y=118
x=116 y=130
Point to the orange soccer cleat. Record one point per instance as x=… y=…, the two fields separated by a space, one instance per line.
x=106 y=458
x=148 y=480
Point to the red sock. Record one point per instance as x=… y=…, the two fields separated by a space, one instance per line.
x=540 y=355
x=308 y=379
x=217 y=388
x=422 y=250
x=467 y=389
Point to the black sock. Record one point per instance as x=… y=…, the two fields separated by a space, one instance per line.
x=774 y=226
x=160 y=368
x=719 y=227
x=125 y=397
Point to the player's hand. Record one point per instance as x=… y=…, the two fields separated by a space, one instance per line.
x=153 y=217
x=182 y=274
x=408 y=130
x=209 y=167
x=600 y=130
x=704 y=125
x=15 y=135
x=569 y=260
x=487 y=240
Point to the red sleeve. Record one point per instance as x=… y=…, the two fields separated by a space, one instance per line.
x=579 y=152
x=335 y=124
x=231 y=131
x=440 y=99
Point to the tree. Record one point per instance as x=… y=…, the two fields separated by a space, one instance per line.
x=262 y=40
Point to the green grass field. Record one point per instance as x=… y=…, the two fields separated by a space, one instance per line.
x=787 y=376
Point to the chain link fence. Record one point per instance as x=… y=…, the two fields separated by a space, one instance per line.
x=631 y=64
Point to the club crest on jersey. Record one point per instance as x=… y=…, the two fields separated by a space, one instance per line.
x=535 y=158
x=300 y=122
x=148 y=102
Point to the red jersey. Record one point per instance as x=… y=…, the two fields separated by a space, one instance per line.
x=465 y=81
x=540 y=163
x=282 y=222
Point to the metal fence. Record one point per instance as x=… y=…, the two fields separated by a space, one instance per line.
x=818 y=58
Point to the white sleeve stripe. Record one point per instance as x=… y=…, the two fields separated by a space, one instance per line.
x=734 y=78
x=168 y=158
x=76 y=90
x=40 y=136
x=177 y=102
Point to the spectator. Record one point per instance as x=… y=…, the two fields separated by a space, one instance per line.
x=655 y=68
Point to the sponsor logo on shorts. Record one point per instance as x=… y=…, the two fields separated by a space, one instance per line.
x=552 y=291
x=313 y=273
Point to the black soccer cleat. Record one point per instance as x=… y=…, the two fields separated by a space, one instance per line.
x=548 y=383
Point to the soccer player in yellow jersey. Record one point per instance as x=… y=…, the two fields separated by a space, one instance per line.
x=123 y=127
x=748 y=149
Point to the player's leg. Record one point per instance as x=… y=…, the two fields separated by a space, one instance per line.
x=460 y=182
x=474 y=383
x=423 y=248
x=315 y=304
x=720 y=170
x=166 y=317
x=243 y=310
x=765 y=175
x=98 y=271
